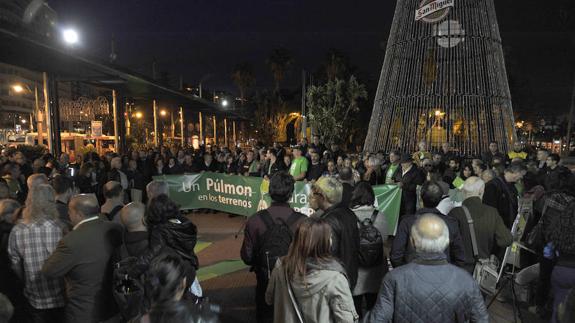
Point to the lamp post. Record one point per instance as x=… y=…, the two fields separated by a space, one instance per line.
x=182 y=127
x=155 y=107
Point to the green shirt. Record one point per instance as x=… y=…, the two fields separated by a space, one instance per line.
x=298 y=166
x=389 y=175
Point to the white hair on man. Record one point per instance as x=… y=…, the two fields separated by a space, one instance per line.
x=473 y=187
x=156 y=188
x=430 y=234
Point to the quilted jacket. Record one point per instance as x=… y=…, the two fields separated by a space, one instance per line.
x=428 y=290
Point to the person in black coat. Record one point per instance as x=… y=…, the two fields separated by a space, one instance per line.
x=326 y=195
x=173 y=168
x=209 y=164
x=408 y=177
x=135 y=242
x=315 y=168
x=168 y=228
x=346 y=179
x=402 y=251
x=84 y=181
x=493 y=153
x=501 y=194
x=554 y=172
x=273 y=163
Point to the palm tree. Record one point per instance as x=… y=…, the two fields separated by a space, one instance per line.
x=243 y=77
x=336 y=65
x=279 y=61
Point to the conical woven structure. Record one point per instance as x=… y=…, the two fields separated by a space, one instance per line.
x=442 y=80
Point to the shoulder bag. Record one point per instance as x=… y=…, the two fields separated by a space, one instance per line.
x=294 y=303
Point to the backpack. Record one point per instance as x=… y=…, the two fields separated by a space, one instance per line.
x=370 y=243
x=275 y=241
x=128 y=285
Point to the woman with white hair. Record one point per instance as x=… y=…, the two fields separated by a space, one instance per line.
x=31 y=242
x=374 y=174
x=490 y=231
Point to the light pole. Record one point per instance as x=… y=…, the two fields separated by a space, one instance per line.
x=19 y=88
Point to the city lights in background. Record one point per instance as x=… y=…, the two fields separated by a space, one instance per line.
x=139 y=115
x=225 y=103
x=163 y=113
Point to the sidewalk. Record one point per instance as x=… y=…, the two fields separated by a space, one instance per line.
x=228 y=282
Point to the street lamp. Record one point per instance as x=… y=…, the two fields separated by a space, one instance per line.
x=225 y=103
x=23 y=121
x=139 y=115
x=163 y=113
x=70 y=36
x=18 y=88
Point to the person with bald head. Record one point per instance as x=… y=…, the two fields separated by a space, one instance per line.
x=402 y=250
x=156 y=188
x=83 y=258
x=135 y=241
x=35 y=180
x=489 y=229
x=429 y=289
x=114 y=195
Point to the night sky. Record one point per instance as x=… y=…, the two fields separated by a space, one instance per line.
x=204 y=40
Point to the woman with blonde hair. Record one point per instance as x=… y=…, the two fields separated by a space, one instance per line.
x=309 y=285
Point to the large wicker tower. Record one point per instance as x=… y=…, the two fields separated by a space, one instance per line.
x=443 y=80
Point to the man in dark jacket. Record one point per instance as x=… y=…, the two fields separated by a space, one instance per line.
x=346 y=179
x=83 y=258
x=488 y=226
x=429 y=289
x=135 y=241
x=315 y=168
x=408 y=177
x=554 y=172
x=402 y=250
x=63 y=186
x=493 y=153
x=281 y=189
x=326 y=195
x=501 y=194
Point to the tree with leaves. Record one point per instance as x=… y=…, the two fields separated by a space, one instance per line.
x=271 y=116
x=279 y=62
x=332 y=105
x=243 y=77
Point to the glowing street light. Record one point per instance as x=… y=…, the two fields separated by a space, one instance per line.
x=70 y=36
x=225 y=103
x=23 y=121
x=18 y=88
x=163 y=113
x=139 y=115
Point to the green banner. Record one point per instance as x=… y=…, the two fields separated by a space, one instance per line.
x=246 y=195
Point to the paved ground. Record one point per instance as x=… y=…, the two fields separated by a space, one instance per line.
x=227 y=282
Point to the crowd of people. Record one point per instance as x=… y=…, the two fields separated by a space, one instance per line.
x=93 y=238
